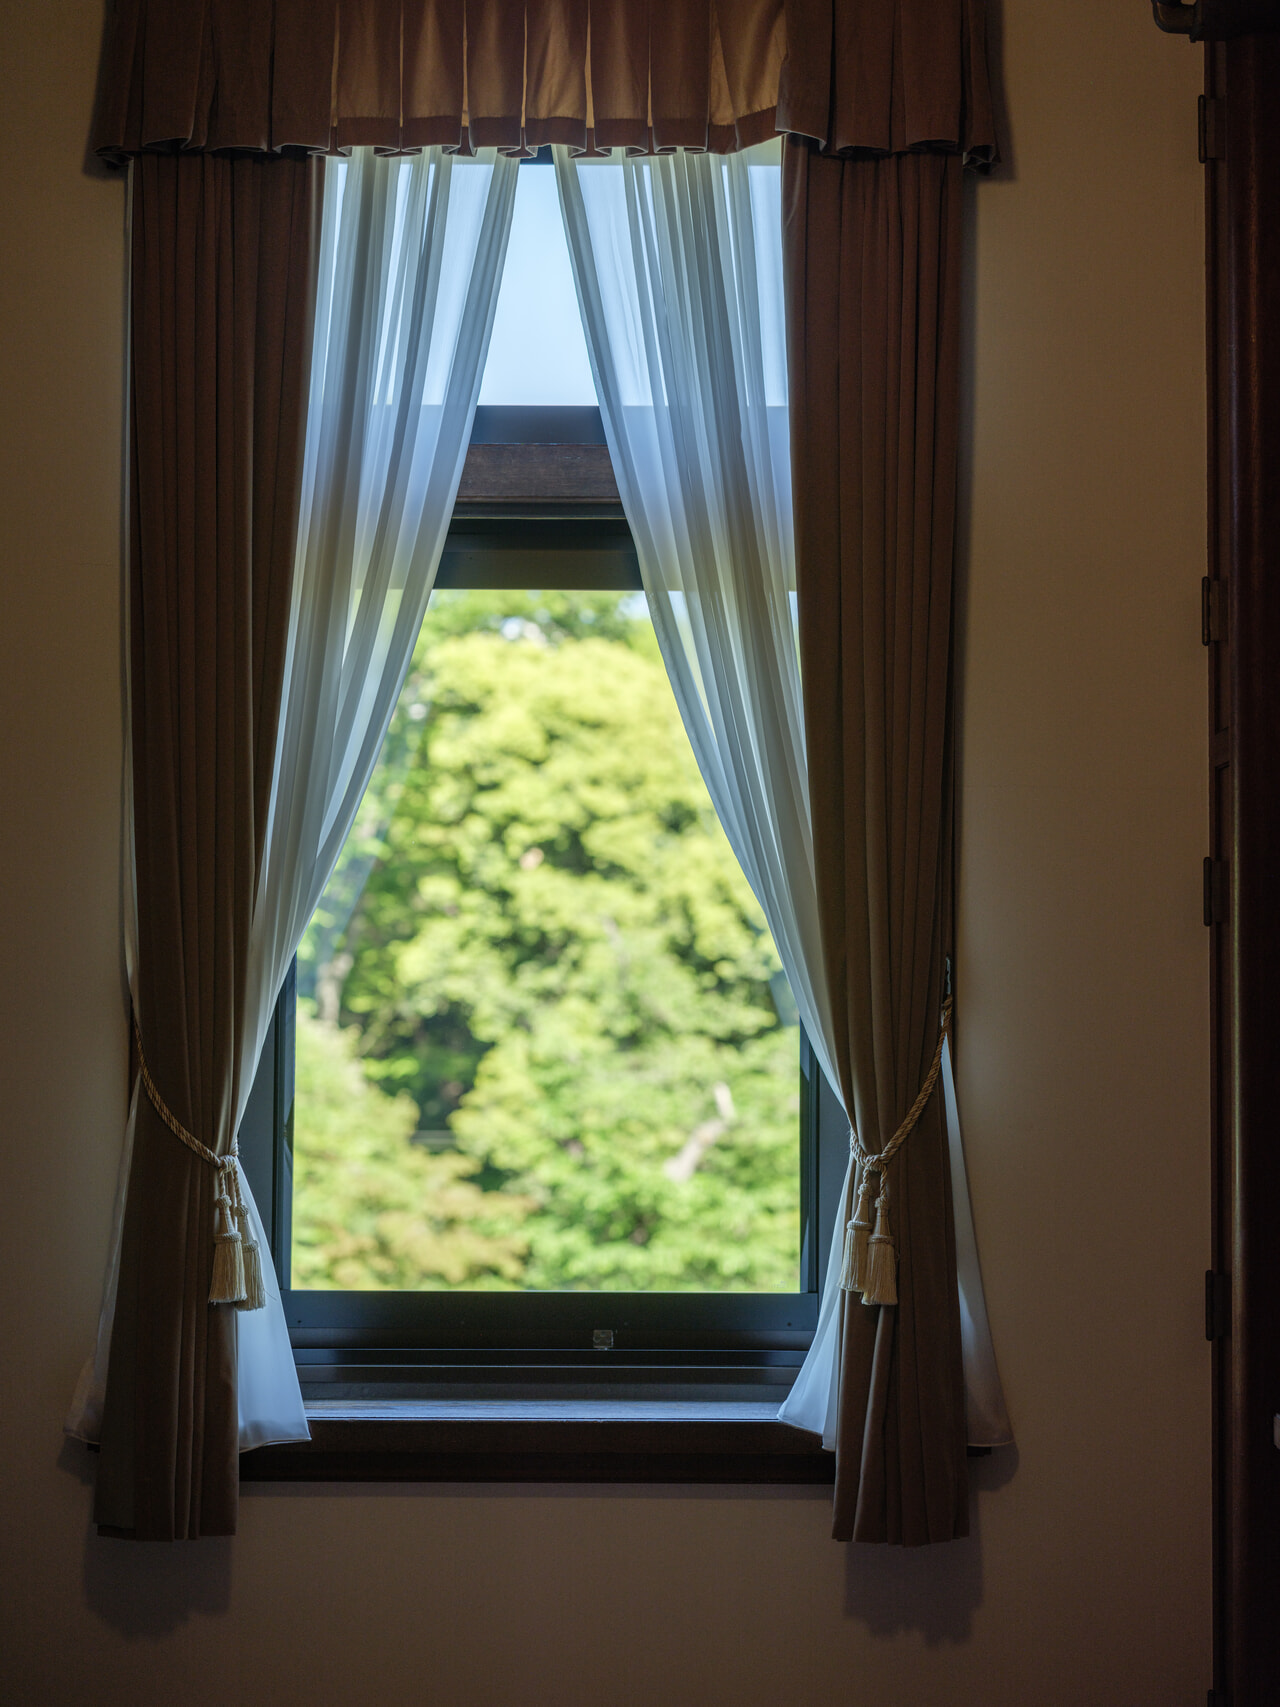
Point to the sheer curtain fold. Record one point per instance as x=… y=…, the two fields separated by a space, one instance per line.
x=673 y=258
x=678 y=266
x=410 y=267
x=410 y=263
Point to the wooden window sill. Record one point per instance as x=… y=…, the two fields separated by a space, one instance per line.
x=407 y=1440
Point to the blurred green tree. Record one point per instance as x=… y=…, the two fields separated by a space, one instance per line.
x=547 y=958
x=371 y=1210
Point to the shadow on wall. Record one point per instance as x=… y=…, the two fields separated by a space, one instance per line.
x=146 y=1590
x=933 y=1591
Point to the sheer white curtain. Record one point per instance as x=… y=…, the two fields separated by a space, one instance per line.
x=678 y=266
x=410 y=263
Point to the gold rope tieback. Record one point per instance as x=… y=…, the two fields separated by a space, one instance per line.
x=237 y=1261
x=870 y=1263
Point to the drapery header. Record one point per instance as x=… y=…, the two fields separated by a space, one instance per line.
x=399 y=75
x=326 y=75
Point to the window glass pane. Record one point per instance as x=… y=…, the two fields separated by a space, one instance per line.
x=543 y=1037
x=537 y=353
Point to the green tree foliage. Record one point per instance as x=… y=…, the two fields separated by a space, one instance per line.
x=371 y=1210
x=547 y=959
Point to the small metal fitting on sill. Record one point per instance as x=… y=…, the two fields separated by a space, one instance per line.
x=602 y=1339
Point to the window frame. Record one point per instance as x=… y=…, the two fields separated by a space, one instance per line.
x=538 y=499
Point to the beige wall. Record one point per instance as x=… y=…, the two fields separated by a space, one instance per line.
x=1082 y=1014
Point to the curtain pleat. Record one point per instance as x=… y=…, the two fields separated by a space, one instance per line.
x=301 y=104
x=222 y=293
x=555 y=70
x=872 y=256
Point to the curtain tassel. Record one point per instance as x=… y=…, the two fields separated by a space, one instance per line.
x=880 y=1285
x=237 y=1261
x=255 y=1292
x=228 y=1253
x=853 y=1272
x=871 y=1264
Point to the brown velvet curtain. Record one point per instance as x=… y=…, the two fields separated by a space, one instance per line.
x=894 y=96
x=223 y=271
x=872 y=256
x=403 y=74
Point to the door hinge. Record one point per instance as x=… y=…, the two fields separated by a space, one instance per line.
x=1215 y=891
x=1217 y=1305
x=1212 y=627
x=1210 y=128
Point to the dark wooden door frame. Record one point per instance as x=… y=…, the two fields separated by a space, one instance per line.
x=1241 y=145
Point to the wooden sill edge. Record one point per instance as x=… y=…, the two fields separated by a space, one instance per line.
x=521 y=1446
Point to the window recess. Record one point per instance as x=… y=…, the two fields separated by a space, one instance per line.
x=538 y=507
x=539 y=1346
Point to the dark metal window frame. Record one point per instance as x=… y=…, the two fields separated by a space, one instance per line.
x=538 y=507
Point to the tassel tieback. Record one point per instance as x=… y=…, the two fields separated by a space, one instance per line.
x=237 y=1261
x=870 y=1263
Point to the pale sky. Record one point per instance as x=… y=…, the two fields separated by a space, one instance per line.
x=537 y=353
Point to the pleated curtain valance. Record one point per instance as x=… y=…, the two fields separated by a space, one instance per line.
x=325 y=75
x=645 y=75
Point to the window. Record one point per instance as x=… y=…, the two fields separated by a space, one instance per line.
x=528 y=1078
